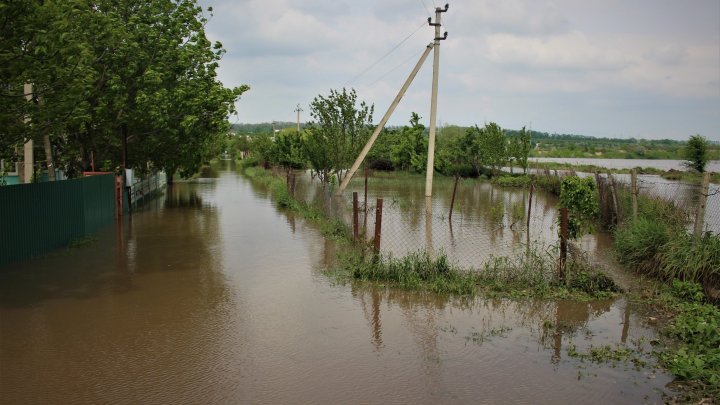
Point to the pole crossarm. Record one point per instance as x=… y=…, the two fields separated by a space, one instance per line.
x=384 y=120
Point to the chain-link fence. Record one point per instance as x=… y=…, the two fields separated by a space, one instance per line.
x=623 y=196
x=487 y=221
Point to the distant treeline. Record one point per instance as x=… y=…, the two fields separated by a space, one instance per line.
x=546 y=144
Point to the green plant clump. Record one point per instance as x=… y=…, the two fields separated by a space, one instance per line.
x=512 y=181
x=696 y=329
x=417 y=271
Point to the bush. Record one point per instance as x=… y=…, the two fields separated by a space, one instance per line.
x=512 y=181
x=637 y=244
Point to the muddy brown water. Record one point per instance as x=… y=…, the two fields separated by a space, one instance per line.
x=212 y=295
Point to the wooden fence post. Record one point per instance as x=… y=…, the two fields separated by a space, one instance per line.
x=633 y=184
x=563 y=241
x=527 y=220
x=378 y=224
x=452 y=200
x=613 y=192
x=700 y=214
x=355 y=216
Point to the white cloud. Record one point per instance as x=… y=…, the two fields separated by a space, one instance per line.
x=567 y=51
x=511 y=60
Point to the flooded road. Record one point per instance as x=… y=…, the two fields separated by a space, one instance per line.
x=212 y=295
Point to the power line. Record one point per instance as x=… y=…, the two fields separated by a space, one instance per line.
x=426 y=7
x=413 y=56
x=386 y=54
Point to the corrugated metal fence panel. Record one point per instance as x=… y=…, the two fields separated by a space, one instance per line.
x=99 y=209
x=36 y=218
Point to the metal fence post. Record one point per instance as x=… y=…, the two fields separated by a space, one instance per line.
x=700 y=214
x=378 y=224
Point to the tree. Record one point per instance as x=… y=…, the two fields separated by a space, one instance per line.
x=126 y=81
x=696 y=153
x=579 y=196
x=338 y=133
x=409 y=152
x=522 y=149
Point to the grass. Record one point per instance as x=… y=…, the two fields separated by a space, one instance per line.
x=416 y=271
x=690 y=347
x=657 y=247
x=534 y=274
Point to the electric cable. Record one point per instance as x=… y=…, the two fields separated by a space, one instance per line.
x=393 y=49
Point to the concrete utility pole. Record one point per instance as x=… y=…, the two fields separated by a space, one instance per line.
x=433 y=102
x=298 y=110
x=384 y=120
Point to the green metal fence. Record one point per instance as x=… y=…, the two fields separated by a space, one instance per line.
x=36 y=218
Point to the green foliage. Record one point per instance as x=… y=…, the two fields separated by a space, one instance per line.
x=409 y=151
x=340 y=130
x=512 y=181
x=416 y=271
x=111 y=71
x=519 y=147
x=696 y=153
x=639 y=243
x=533 y=274
x=653 y=245
x=696 y=328
x=579 y=196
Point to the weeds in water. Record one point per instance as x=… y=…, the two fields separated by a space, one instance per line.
x=79 y=242
x=481 y=337
x=534 y=273
x=416 y=271
x=497 y=213
x=609 y=354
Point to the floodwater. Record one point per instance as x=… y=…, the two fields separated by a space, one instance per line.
x=662 y=164
x=213 y=295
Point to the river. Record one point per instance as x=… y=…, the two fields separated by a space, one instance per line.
x=211 y=294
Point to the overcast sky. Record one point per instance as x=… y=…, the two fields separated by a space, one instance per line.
x=631 y=68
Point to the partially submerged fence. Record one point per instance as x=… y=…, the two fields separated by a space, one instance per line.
x=491 y=221
x=38 y=217
x=623 y=197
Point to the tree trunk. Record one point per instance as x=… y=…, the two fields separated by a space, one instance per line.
x=48 y=157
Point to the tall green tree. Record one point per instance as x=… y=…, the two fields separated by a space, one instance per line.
x=520 y=145
x=696 y=153
x=124 y=81
x=340 y=129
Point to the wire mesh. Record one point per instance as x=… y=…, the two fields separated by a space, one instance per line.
x=487 y=221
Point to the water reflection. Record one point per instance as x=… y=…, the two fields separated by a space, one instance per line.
x=224 y=302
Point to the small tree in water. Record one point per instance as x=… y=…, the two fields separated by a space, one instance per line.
x=696 y=153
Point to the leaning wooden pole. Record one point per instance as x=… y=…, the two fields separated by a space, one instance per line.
x=383 y=121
